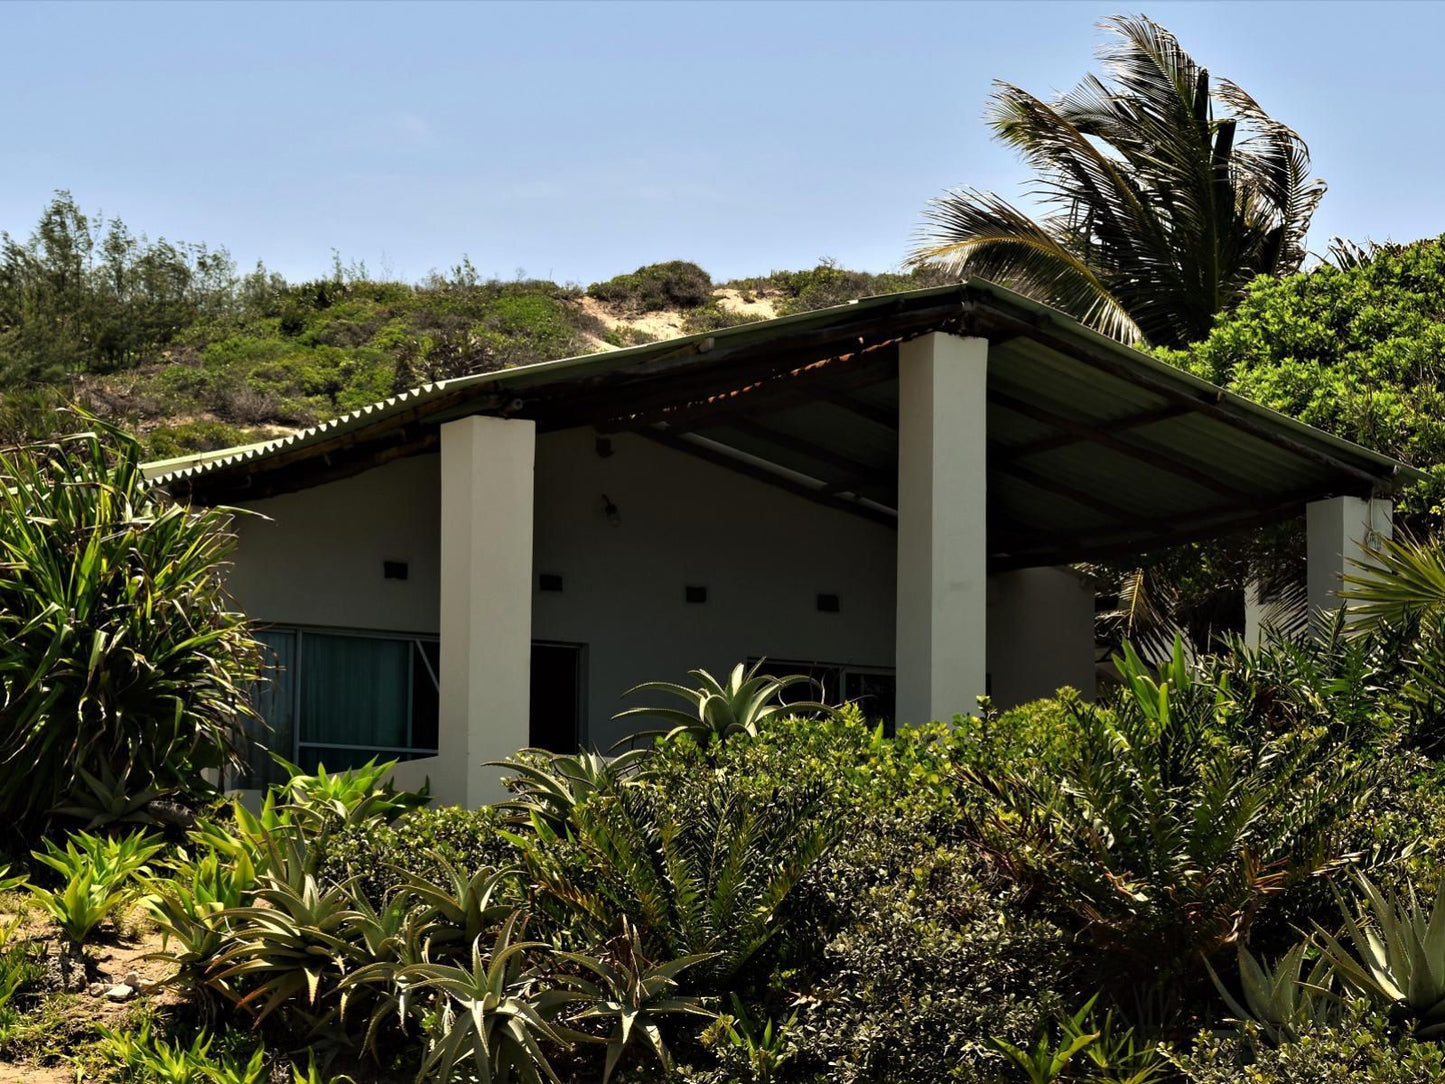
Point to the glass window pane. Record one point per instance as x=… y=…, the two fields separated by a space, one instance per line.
x=274 y=699
x=425 y=705
x=354 y=690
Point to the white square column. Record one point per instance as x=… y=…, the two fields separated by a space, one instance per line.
x=1338 y=533
x=941 y=637
x=486 y=602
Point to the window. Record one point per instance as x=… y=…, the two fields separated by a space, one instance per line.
x=342 y=698
x=873 y=688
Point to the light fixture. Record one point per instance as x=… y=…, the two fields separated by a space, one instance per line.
x=611 y=511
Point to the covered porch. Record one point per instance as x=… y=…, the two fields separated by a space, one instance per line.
x=902 y=483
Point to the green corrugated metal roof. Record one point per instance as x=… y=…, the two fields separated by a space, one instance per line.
x=1208 y=460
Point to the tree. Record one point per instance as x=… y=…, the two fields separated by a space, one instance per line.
x=1355 y=350
x=1164 y=194
x=124 y=668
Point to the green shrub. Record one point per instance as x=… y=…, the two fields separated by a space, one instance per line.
x=379 y=856
x=120 y=654
x=827 y=284
x=1169 y=825
x=921 y=960
x=1363 y=1048
x=712 y=316
x=172 y=441
x=1354 y=351
x=675 y=284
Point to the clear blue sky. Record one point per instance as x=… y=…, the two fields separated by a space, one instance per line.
x=577 y=141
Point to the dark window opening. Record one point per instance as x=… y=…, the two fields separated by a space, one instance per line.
x=558 y=703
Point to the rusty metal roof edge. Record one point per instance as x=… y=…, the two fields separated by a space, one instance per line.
x=974 y=294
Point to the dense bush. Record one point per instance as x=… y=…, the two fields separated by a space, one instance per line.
x=124 y=669
x=1355 y=351
x=1363 y=1048
x=676 y=284
x=1173 y=820
x=828 y=284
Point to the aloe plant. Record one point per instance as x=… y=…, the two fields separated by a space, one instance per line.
x=1396 y=954
x=632 y=992
x=716 y=710
x=488 y=1020
x=99 y=880
x=189 y=905
x=1282 y=1002
x=468 y=906
x=330 y=800
x=292 y=944
x=548 y=786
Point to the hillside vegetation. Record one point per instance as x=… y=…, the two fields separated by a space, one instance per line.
x=173 y=342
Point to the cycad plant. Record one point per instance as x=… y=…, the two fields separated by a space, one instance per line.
x=121 y=656
x=1169 y=823
x=1164 y=194
x=717 y=710
x=701 y=872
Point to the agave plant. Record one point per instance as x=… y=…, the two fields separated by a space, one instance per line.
x=632 y=992
x=548 y=786
x=487 y=1020
x=1282 y=1002
x=119 y=648
x=716 y=711
x=1396 y=955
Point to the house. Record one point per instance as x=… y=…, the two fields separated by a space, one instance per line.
x=888 y=494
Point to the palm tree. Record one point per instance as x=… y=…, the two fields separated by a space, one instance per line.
x=1163 y=195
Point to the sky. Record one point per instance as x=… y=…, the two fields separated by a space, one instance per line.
x=577 y=141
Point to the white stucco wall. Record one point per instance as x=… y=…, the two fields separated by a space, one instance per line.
x=763 y=554
x=318 y=559
x=1040 y=634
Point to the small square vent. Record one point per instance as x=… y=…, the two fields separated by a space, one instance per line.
x=695 y=593
x=549 y=581
x=394 y=570
x=828 y=604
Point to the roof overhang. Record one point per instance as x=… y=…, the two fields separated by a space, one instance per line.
x=1095 y=449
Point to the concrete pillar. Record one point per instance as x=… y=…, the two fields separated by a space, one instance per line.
x=486 y=603
x=942 y=541
x=1338 y=532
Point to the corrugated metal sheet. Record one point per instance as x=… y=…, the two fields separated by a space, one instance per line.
x=1127 y=446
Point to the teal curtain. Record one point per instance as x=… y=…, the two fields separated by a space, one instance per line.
x=355 y=691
